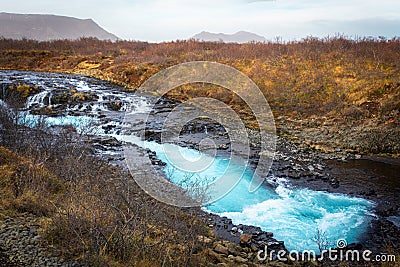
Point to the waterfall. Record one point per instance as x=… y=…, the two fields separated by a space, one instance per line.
x=36 y=100
x=3 y=104
x=50 y=96
x=4 y=92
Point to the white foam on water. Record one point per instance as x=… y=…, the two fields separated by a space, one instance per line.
x=37 y=100
x=297 y=213
x=81 y=123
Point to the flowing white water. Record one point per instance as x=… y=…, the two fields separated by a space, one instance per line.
x=292 y=214
x=81 y=123
x=37 y=100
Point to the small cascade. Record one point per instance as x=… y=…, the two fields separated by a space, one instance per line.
x=50 y=96
x=139 y=106
x=37 y=100
x=4 y=91
x=3 y=104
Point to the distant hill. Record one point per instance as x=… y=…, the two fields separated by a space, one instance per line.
x=50 y=27
x=239 y=37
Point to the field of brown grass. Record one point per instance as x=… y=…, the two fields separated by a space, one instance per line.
x=353 y=83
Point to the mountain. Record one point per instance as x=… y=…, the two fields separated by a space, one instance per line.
x=239 y=37
x=50 y=27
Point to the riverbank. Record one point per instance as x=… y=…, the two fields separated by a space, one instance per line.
x=304 y=167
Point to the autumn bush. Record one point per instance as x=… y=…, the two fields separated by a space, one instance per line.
x=25 y=186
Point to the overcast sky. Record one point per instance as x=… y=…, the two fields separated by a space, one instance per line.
x=164 y=20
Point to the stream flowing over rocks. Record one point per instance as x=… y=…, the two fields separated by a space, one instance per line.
x=329 y=185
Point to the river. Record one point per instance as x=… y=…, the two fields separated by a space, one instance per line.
x=292 y=213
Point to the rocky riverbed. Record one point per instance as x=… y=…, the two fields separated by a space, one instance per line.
x=21 y=244
x=301 y=163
